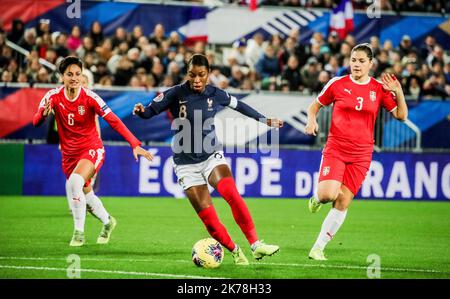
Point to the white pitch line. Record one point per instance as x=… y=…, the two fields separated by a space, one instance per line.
x=351 y=267
x=111 y=272
x=256 y=263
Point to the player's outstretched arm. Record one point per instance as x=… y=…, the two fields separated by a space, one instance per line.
x=43 y=111
x=143 y=112
x=120 y=128
x=312 y=127
x=391 y=83
x=252 y=113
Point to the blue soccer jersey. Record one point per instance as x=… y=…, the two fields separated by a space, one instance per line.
x=195 y=139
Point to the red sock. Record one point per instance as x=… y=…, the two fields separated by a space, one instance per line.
x=227 y=188
x=215 y=227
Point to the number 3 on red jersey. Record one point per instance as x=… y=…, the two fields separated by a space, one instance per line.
x=360 y=103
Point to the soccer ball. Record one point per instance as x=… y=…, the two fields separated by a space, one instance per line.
x=207 y=253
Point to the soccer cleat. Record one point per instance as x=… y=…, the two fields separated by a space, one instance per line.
x=105 y=234
x=239 y=257
x=317 y=254
x=77 y=239
x=314 y=206
x=262 y=249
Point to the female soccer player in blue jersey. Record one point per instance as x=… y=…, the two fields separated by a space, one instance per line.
x=199 y=161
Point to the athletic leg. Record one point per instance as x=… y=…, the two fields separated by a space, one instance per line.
x=82 y=173
x=202 y=204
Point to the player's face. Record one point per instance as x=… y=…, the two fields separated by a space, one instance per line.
x=197 y=77
x=72 y=76
x=360 y=64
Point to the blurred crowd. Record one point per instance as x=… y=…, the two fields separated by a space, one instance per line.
x=158 y=59
x=436 y=6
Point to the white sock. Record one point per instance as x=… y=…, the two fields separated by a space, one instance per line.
x=77 y=200
x=96 y=207
x=316 y=196
x=330 y=226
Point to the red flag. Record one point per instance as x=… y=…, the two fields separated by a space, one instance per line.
x=341 y=19
x=253 y=5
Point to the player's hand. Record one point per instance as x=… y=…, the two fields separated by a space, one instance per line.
x=47 y=108
x=274 y=122
x=312 y=128
x=391 y=83
x=139 y=151
x=138 y=108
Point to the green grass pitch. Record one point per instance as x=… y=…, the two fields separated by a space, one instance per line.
x=154 y=238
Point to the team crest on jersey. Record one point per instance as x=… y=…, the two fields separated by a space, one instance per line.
x=326 y=170
x=373 y=96
x=210 y=104
x=81 y=110
x=159 y=98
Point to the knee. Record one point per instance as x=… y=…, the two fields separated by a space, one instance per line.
x=75 y=182
x=327 y=195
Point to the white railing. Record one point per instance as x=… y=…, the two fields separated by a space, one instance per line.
x=389 y=133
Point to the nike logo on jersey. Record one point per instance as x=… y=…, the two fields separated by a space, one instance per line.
x=348 y=90
x=62 y=106
x=183 y=102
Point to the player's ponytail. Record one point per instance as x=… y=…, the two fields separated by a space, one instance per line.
x=199 y=60
x=365 y=47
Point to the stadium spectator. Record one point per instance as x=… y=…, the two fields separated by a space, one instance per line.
x=310 y=73
x=96 y=33
x=61 y=45
x=268 y=65
x=136 y=33
x=158 y=35
x=105 y=50
x=237 y=77
x=292 y=75
x=17 y=31
x=43 y=27
x=7 y=76
x=405 y=47
x=74 y=41
x=28 y=41
x=86 y=47
x=255 y=49
x=119 y=37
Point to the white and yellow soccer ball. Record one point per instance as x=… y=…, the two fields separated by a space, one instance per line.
x=207 y=253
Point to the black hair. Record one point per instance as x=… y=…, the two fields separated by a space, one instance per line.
x=66 y=62
x=199 y=60
x=365 y=47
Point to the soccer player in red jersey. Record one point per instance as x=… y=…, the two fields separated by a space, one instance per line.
x=75 y=108
x=346 y=157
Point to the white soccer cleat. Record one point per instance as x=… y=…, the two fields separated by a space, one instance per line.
x=105 y=234
x=77 y=239
x=262 y=249
x=317 y=254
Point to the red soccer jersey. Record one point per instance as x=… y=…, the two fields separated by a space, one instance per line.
x=76 y=119
x=355 y=110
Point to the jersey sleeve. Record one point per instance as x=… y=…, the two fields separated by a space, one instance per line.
x=98 y=104
x=163 y=101
x=326 y=96
x=38 y=118
x=388 y=100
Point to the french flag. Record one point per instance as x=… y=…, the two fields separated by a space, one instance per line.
x=196 y=28
x=341 y=19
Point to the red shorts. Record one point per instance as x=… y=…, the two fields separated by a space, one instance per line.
x=350 y=173
x=96 y=155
